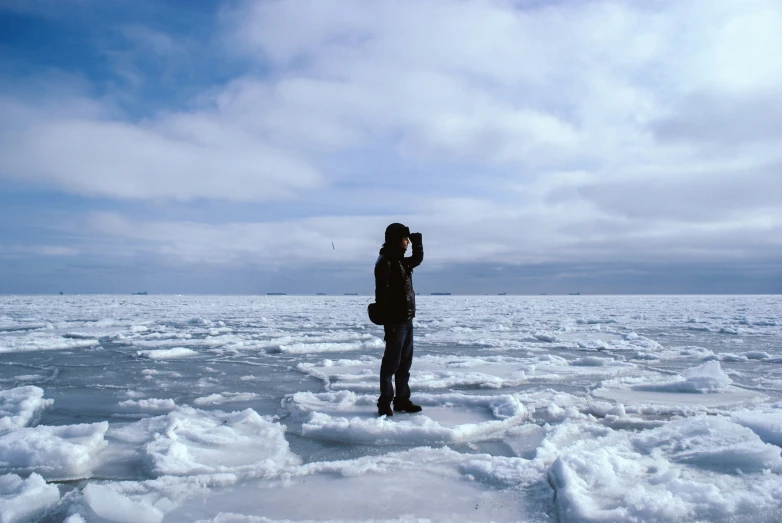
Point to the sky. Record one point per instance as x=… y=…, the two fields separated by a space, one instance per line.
x=253 y=146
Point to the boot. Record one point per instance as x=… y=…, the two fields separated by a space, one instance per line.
x=405 y=405
x=384 y=408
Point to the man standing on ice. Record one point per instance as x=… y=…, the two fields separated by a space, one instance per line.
x=395 y=298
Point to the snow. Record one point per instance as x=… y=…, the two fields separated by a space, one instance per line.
x=225 y=408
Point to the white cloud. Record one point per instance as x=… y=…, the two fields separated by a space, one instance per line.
x=585 y=130
x=456 y=230
x=175 y=157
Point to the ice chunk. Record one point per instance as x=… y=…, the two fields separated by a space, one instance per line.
x=113 y=506
x=708 y=377
x=60 y=452
x=592 y=361
x=691 y=469
x=730 y=357
x=225 y=397
x=546 y=336
x=140 y=501
x=21 y=407
x=767 y=425
x=43 y=341
x=417 y=486
x=756 y=355
x=432 y=372
x=149 y=405
x=449 y=418
x=23 y=500
x=30 y=377
x=191 y=441
x=166 y=354
x=713 y=443
x=305 y=348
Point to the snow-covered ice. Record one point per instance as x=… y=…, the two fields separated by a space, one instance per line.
x=55 y=452
x=21 y=407
x=165 y=354
x=28 y=499
x=258 y=409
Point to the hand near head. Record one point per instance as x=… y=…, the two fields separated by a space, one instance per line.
x=416 y=238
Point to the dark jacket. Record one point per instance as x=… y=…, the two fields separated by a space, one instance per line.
x=394 y=292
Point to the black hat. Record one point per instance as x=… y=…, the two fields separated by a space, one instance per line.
x=395 y=232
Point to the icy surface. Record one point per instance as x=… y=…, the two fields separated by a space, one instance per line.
x=258 y=409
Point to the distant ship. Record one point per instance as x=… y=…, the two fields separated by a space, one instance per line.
x=321 y=294
x=440 y=294
x=142 y=293
x=575 y=293
x=351 y=294
x=502 y=294
x=61 y=293
x=275 y=294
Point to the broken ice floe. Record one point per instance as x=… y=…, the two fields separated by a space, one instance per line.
x=165 y=354
x=55 y=452
x=149 y=405
x=21 y=407
x=704 y=385
x=189 y=441
x=446 y=372
x=703 y=468
x=225 y=397
x=448 y=418
x=25 y=499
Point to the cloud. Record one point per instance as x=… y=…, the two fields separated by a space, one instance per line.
x=585 y=82
x=178 y=156
x=274 y=244
x=508 y=132
x=456 y=231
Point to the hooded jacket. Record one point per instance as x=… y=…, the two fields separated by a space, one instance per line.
x=394 y=292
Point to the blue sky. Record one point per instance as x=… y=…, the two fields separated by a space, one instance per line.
x=222 y=146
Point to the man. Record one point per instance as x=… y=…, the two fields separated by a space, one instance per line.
x=395 y=298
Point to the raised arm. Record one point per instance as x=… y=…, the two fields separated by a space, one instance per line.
x=418 y=250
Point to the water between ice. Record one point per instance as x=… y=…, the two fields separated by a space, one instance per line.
x=226 y=408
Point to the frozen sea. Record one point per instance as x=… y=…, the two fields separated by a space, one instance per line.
x=259 y=409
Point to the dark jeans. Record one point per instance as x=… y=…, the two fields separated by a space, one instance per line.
x=396 y=361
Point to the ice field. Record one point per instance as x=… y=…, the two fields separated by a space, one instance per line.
x=258 y=409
